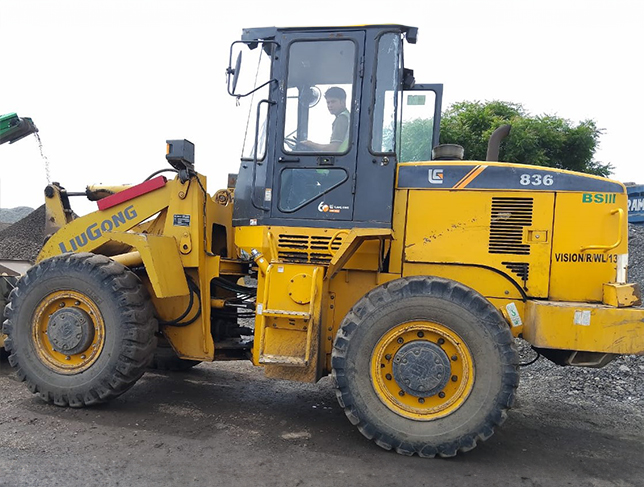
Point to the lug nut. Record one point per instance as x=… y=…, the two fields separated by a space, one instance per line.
x=420 y=334
x=454 y=378
x=441 y=341
x=441 y=394
x=388 y=376
x=400 y=340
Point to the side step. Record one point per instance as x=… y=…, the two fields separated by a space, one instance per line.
x=286 y=335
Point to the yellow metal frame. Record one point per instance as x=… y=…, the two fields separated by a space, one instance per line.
x=584 y=327
x=302 y=300
x=144 y=230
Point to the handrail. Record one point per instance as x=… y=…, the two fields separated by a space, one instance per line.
x=333 y=239
x=606 y=248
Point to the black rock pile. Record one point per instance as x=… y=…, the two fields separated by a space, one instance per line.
x=636 y=254
x=24 y=239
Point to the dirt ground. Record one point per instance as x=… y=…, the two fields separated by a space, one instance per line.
x=225 y=424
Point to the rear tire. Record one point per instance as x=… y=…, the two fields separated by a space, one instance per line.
x=425 y=365
x=80 y=329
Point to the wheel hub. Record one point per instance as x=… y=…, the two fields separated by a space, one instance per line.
x=421 y=368
x=70 y=330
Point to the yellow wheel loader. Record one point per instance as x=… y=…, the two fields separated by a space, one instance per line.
x=405 y=274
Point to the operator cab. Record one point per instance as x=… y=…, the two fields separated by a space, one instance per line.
x=330 y=109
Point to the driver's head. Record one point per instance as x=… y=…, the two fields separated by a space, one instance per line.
x=336 y=100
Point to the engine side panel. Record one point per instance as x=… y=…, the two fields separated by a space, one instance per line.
x=510 y=232
x=589 y=234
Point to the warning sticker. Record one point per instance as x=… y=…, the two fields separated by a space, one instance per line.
x=582 y=318
x=513 y=313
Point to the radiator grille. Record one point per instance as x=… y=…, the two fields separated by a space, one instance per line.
x=305 y=249
x=508 y=218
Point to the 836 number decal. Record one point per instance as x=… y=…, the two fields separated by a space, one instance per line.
x=536 y=180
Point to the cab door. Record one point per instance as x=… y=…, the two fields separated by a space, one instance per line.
x=314 y=175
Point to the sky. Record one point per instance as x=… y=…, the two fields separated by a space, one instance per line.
x=107 y=82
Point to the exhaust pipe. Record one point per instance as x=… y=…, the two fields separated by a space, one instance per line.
x=494 y=145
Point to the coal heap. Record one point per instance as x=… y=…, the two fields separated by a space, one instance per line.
x=24 y=239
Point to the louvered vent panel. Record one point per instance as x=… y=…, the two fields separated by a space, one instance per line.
x=304 y=249
x=509 y=217
x=521 y=269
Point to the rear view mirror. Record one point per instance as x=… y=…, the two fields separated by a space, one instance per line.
x=234 y=72
x=249 y=84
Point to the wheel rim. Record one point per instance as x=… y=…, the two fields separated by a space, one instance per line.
x=422 y=370
x=68 y=331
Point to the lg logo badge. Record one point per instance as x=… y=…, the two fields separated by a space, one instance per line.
x=436 y=176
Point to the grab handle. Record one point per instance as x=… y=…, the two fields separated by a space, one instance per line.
x=606 y=248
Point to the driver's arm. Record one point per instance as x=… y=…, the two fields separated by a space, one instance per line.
x=340 y=132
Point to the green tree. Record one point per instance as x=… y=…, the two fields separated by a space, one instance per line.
x=543 y=140
x=416 y=140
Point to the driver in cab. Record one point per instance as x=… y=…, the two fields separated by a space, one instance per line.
x=336 y=102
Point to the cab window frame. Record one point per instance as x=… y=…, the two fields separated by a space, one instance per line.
x=350 y=101
x=311 y=198
x=398 y=91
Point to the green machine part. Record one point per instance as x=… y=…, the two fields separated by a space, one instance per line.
x=14 y=128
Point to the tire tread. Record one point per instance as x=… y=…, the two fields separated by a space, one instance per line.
x=460 y=295
x=137 y=317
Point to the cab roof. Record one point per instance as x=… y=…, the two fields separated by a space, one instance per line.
x=269 y=33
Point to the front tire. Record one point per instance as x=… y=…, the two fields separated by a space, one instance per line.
x=425 y=365
x=80 y=329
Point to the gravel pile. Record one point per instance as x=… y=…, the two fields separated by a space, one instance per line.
x=12 y=215
x=24 y=239
x=636 y=254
